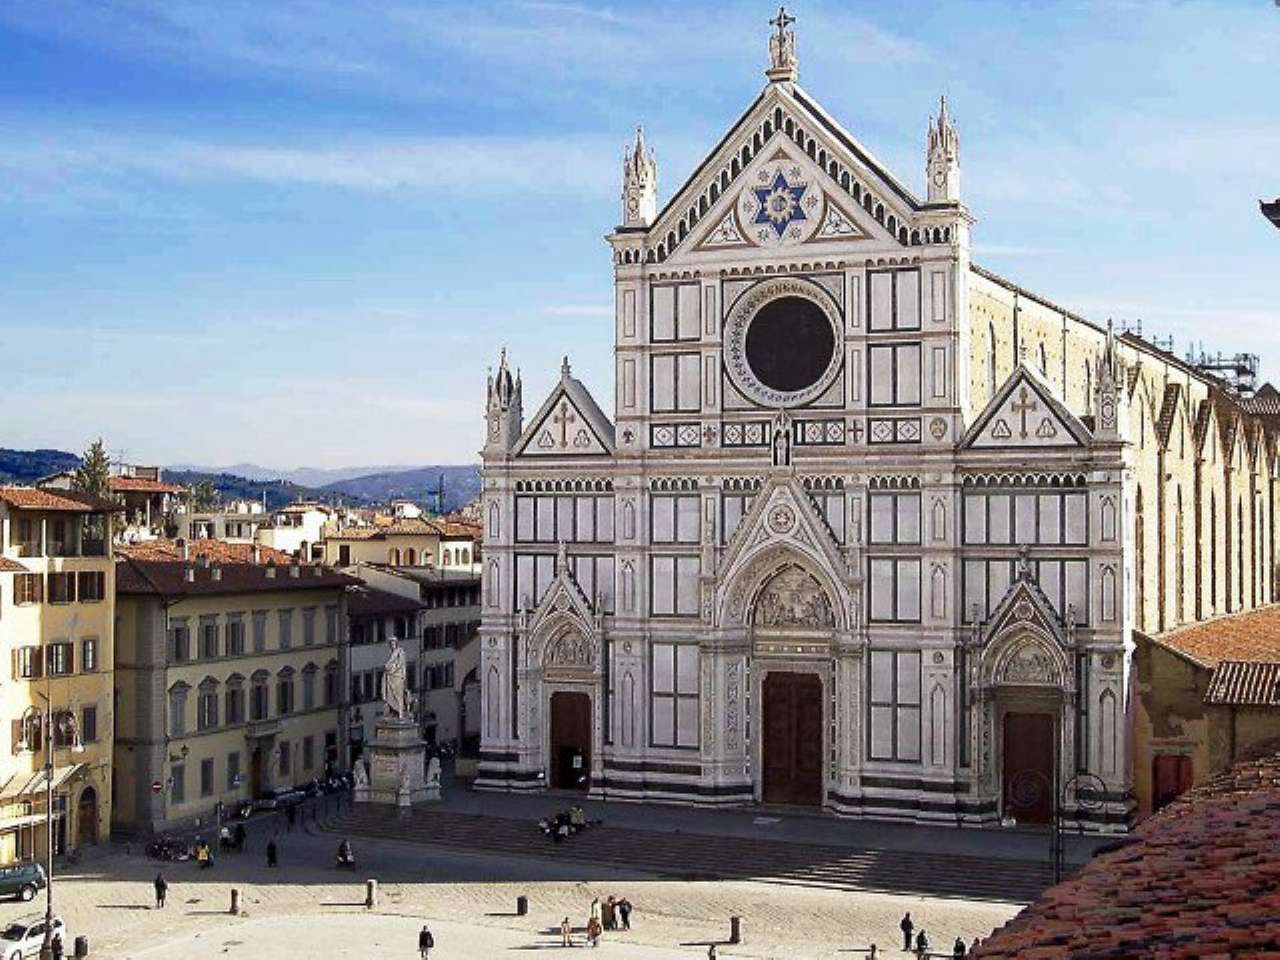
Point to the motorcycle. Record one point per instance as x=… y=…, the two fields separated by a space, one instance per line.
x=169 y=849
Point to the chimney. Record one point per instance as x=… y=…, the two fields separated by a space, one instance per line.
x=256 y=553
x=182 y=548
x=216 y=573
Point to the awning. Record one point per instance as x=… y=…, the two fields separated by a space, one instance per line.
x=35 y=784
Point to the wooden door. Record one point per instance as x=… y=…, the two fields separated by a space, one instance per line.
x=570 y=741
x=791 y=744
x=1028 y=767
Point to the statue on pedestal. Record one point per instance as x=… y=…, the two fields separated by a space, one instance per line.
x=395 y=693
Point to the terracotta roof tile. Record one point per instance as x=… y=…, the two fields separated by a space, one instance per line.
x=142 y=485
x=174 y=578
x=218 y=551
x=1201 y=878
x=368 y=601
x=69 y=501
x=1253 y=636
x=1243 y=684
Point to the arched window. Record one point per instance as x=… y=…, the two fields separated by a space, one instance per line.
x=1213 y=552
x=393 y=556
x=259 y=698
x=284 y=691
x=1239 y=553
x=1139 y=572
x=1180 y=558
x=235 y=699
x=991 y=360
x=1044 y=361
x=309 y=686
x=331 y=683
x=410 y=557
x=207 y=704
x=178 y=709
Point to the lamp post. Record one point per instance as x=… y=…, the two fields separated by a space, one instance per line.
x=1028 y=788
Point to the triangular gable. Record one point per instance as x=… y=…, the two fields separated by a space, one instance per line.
x=782 y=114
x=785 y=200
x=1025 y=413
x=568 y=424
x=563 y=597
x=1023 y=605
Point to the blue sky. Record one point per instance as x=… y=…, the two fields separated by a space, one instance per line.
x=297 y=233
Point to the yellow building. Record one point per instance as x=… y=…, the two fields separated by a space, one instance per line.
x=56 y=624
x=230 y=681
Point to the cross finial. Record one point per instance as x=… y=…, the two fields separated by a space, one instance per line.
x=782 y=49
x=782 y=21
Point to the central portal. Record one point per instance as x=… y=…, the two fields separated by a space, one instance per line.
x=570 y=741
x=1028 y=767
x=791 y=741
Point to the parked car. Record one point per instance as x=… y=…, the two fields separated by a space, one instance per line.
x=25 y=938
x=22 y=880
x=278 y=798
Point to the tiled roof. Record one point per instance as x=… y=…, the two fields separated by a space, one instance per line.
x=218 y=551
x=1253 y=636
x=69 y=501
x=169 y=578
x=141 y=485
x=1242 y=684
x=11 y=566
x=367 y=601
x=399 y=528
x=1201 y=878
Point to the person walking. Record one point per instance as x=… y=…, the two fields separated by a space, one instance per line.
x=593 y=931
x=425 y=942
x=711 y=952
x=162 y=888
x=959 y=951
x=973 y=947
x=595 y=909
x=566 y=933
x=624 y=911
x=922 y=943
x=906 y=926
x=611 y=913
x=272 y=852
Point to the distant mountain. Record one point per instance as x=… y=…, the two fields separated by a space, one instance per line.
x=461 y=485
x=28 y=466
x=277 y=493
x=304 y=476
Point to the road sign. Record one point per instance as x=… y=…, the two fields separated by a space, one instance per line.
x=156 y=786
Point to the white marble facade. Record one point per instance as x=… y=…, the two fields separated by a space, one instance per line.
x=796 y=483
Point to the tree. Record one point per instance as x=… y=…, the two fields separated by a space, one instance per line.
x=94 y=473
x=204 y=496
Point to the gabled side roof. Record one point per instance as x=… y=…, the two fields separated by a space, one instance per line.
x=600 y=432
x=1026 y=413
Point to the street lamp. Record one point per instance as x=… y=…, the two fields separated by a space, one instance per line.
x=1029 y=787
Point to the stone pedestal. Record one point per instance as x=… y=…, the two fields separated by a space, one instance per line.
x=396 y=756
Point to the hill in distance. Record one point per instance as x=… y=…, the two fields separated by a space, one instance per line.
x=303 y=476
x=461 y=485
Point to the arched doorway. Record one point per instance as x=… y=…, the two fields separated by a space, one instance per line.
x=87 y=818
x=791 y=741
x=570 y=741
x=1029 y=775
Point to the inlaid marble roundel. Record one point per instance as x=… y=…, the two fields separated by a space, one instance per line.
x=783 y=342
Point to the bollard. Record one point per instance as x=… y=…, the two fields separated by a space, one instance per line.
x=235 y=902
x=735 y=929
x=522 y=906
x=82 y=947
x=370 y=894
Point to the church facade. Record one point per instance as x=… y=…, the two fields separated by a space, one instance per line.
x=871 y=527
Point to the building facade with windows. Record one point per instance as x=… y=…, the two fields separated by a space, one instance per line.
x=435 y=614
x=229 y=681
x=871 y=527
x=57 y=604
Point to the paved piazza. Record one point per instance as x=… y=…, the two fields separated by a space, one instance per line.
x=307 y=909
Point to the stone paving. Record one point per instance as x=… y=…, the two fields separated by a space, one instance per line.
x=307 y=908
